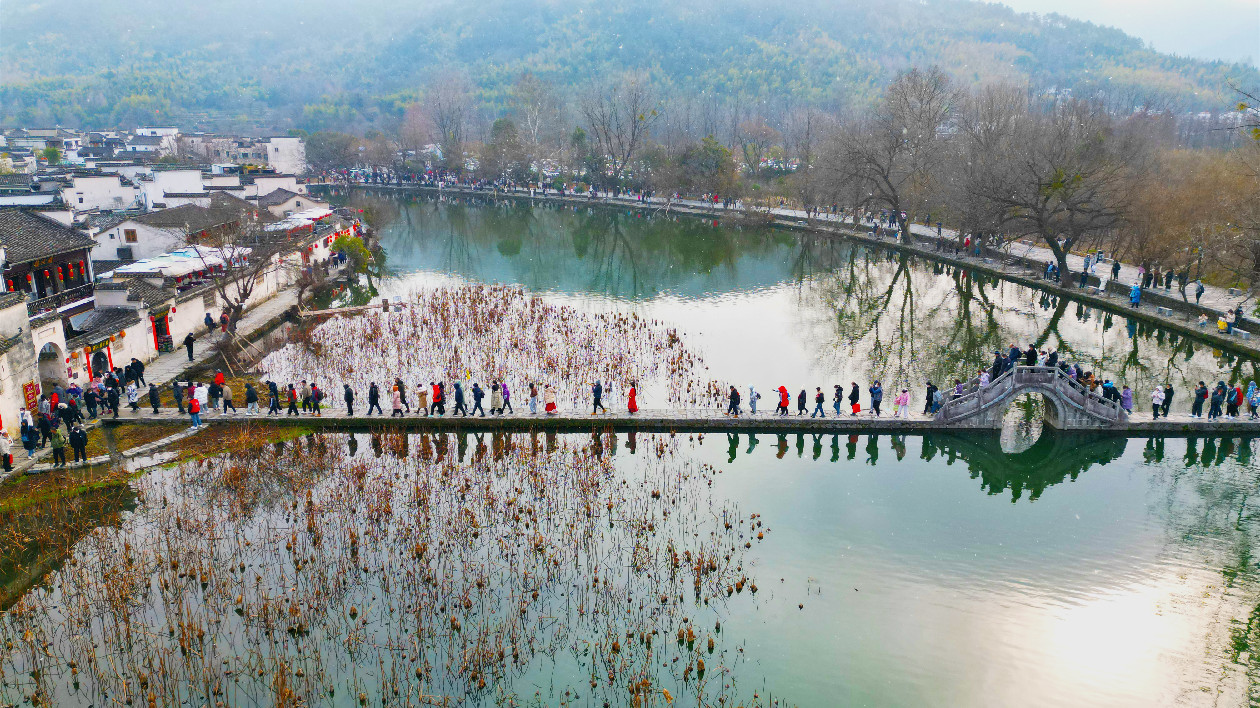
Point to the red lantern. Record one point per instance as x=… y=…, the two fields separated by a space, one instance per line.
x=10 y=281
x=172 y=309
x=28 y=277
x=80 y=266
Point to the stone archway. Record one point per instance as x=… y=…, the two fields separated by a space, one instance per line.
x=52 y=366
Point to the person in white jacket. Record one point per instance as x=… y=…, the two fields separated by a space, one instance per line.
x=1157 y=400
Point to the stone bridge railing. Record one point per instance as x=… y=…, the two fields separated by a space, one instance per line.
x=1070 y=405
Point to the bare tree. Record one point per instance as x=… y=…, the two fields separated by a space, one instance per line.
x=1061 y=177
x=537 y=110
x=449 y=103
x=898 y=152
x=238 y=260
x=620 y=118
x=755 y=139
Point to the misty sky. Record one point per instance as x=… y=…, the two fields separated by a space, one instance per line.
x=1205 y=29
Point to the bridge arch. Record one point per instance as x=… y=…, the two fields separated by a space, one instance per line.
x=1069 y=405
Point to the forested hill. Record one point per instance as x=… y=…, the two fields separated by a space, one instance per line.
x=275 y=64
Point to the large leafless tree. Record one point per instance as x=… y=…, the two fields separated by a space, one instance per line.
x=620 y=118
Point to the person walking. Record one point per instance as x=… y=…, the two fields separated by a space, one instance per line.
x=855 y=406
x=58 y=442
x=137 y=372
x=395 y=400
x=155 y=398
x=188 y=344
x=784 y=401
x=305 y=393
x=78 y=444
x=632 y=400
x=1135 y=295
x=92 y=399
x=1198 y=291
x=194 y=412
x=931 y=397
x=533 y=398
x=293 y=402
x=227 y=399
x=251 y=400
x=1235 y=398
x=1126 y=400
x=347 y=395
x=402 y=395
x=374 y=399
x=732 y=402
x=460 y=406
x=1168 y=396
x=133 y=397
x=1115 y=269
x=30 y=437
x=549 y=400
x=902 y=401
x=6 y=451
x=1157 y=402
x=506 y=406
x=273 y=395
x=478 y=394
x=438 y=404
x=317 y=398
x=597 y=398
x=1200 y=397
x=496 y=399
x=1218 y=398
x=819 y=400
x=177 y=392
x=801 y=406
x=1253 y=400
x=422 y=400
x=877 y=397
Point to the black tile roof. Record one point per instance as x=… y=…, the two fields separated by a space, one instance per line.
x=28 y=235
x=276 y=197
x=100 y=323
x=151 y=295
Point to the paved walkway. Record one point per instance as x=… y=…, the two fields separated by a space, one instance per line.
x=669 y=420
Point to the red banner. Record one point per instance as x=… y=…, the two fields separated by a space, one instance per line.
x=30 y=390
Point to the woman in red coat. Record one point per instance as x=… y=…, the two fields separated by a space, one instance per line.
x=785 y=400
x=632 y=404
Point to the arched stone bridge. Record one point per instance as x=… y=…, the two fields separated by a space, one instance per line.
x=1069 y=405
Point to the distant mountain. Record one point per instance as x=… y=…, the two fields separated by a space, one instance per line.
x=275 y=64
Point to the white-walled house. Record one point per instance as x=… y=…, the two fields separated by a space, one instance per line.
x=104 y=191
x=154 y=233
x=285 y=154
x=157 y=183
x=283 y=202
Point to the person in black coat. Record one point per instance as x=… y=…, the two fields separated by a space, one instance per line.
x=91 y=399
x=78 y=443
x=801 y=403
x=348 y=395
x=999 y=365
x=1030 y=356
x=137 y=371
x=273 y=393
x=374 y=399
x=931 y=396
x=113 y=400
x=1053 y=359
x=177 y=392
x=155 y=398
x=478 y=394
x=459 y=401
x=188 y=344
x=1168 y=396
x=251 y=399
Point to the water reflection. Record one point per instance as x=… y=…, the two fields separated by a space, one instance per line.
x=36 y=540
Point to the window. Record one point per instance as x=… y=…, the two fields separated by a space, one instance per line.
x=80 y=200
x=129 y=235
x=299 y=202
